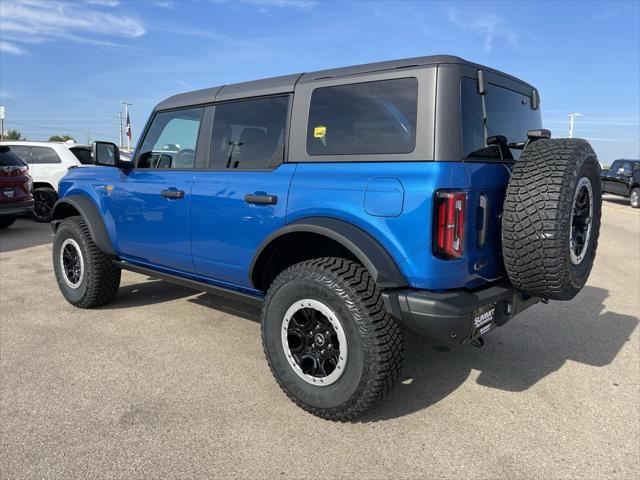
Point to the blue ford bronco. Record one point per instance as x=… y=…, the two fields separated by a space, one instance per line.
x=355 y=205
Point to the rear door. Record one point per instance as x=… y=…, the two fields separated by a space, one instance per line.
x=152 y=200
x=242 y=198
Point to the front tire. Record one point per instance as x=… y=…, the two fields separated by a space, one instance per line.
x=86 y=276
x=329 y=341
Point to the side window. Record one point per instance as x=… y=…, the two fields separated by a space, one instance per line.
x=171 y=140
x=21 y=151
x=613 y=169
x=363 y=118
x=44 y=155
x=627 y=168
x=250 y=134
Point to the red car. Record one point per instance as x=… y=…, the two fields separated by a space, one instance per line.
x=15 y=187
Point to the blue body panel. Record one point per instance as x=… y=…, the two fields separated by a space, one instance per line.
x=227 y=231
x=212 y=234
x=338 y=190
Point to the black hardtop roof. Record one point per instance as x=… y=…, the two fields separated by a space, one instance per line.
x=287 y=83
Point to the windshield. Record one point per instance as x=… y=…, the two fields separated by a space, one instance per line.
x=508 y=113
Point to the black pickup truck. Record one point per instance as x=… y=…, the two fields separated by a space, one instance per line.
x=623 y=178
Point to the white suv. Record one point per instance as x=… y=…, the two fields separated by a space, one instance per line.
x=48 y=163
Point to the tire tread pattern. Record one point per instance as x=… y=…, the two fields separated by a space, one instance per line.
x=382 y=337
x=537 y=217
x=103 y=277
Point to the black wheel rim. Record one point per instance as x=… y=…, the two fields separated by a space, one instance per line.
x=314 y=342
x=43 y=204
x=582 y=212
x=71 y=263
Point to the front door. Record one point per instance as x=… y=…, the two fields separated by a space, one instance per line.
x=152 y=200
x=243 y=198
x=618 y=177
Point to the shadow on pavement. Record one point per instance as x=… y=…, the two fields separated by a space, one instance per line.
x=25 y=233
x=148 y=293
x=516 y=356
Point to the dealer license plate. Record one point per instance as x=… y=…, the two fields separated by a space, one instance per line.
x=484 y=319
x=8 y=192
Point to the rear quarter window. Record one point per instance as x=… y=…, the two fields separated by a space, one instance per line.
x=44 y=155
x=83 y=155
x=363 y=118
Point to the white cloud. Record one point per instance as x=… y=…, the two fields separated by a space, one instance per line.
x=12 y=48
x=23 y=21
x=298 y=4
x=488 y=25
x=104 y=3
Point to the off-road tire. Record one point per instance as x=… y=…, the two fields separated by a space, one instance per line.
x=101 y=278
x=6 y=222
x=375 y=341
x=41 y=196
x=634 y=197
x=537 y=217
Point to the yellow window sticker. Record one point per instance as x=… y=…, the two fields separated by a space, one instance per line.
x=320 y=131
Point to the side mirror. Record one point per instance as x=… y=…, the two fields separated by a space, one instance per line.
x=108 y=155
x=621 y=171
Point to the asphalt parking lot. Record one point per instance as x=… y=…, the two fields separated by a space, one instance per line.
x=167 y=382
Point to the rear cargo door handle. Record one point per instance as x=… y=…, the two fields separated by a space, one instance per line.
x=172 y=193
x=261 y=199
x=482 y=233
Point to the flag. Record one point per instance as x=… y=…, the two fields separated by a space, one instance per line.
x=128 y=127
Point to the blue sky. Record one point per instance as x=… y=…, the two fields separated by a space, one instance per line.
x=65 y=65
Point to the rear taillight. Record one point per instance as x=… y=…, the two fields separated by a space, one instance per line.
x=449 y=218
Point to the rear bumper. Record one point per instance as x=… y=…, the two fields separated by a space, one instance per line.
x=16 y=208
x=456 y=316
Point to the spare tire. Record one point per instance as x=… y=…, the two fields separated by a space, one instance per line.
x=551 y=218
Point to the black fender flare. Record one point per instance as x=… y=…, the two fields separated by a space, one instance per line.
x=91 y=216
x=380 y=264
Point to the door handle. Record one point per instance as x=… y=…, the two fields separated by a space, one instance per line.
x=482 y=233
x=261 y=199
x=172 y=193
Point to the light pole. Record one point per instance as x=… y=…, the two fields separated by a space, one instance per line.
x=571 y=117
x=128 y=125
x=120 y=125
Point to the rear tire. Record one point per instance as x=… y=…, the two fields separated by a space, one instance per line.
x=86 y=276
x=634 y=197
x=551 y=218
x=45 y=198
x=370 y=342
x=6 y=222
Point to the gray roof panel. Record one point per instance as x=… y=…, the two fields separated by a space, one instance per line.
x=197 y=97
x=380 y=66
x=257 y=88
x=287 y=83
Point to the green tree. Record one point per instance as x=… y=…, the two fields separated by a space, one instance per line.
x=14 y=135
x=63 y=138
